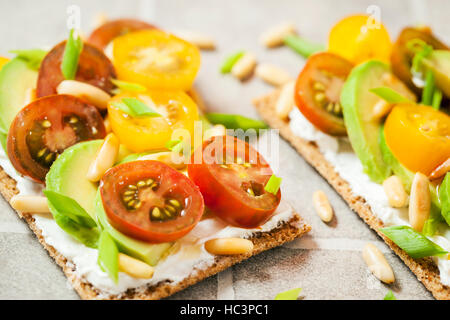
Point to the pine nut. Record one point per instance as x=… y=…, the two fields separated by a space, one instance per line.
x=31 y=204
x=441 y=170
x=322 y=206
x=381 y=108
x=378 y=264
x=285 y=101
x=419 y=201
x=200 y=40
x=90 y=93
x=172 y=159
x=395 y=192
x=193 y=93
x=244 y=67
x=274 y=36
x=135 y=267
x=217 y=130
x=105 y=159
x=272 y=74
x=229 y=246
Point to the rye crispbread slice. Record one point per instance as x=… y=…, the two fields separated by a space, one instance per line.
x=262 y=241
x=424 y=269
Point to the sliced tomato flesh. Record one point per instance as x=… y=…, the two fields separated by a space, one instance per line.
x=93 y=68
x=105 y=33
x=150 y=201
x=46 y=127
x=318 y=90
x=231 y=176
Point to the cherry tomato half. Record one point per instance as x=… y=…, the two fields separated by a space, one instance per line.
x=93 y=68
x=46 y=127
x=418 y=136
x=156 y=59
x=150 y=201
x=401 y=57
x=232 y=176
x=105 y=33
x=318 y=90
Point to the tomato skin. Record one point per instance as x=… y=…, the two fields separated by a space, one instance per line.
x=114 y=182
x=230 y=206
x=93 y=68
x=303 y=95
x=105 y=33
x=52 y=107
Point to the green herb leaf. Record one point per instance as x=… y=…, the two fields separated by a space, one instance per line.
x=234 y=121
x=389 y=296
x=172 y=143
x=72 y=52
x=444 y=198
x=437 y=99
x=135 y=108
x=69 y=208
x=302 y=46
x=273 y=185
x=230 y=61
x=415 y=244
x=428 y=89
x=33 y=57
x=127 y=86
x=87 y=236
x=108 y=256
x=389 y=95
x=289 y=295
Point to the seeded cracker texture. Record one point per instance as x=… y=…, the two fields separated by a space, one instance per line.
x=424 y=269
x=262 y=241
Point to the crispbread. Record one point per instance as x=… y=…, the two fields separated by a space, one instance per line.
x=262 y=241
x=424 y=269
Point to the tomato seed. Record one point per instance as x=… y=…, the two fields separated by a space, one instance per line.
x=46 y=124
x=319 y=86
x=175 y=203
x=156 y=213
x=319 y=97
x=141 y=184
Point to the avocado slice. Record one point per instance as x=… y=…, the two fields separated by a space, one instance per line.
x=439 y=63
x=358 y=104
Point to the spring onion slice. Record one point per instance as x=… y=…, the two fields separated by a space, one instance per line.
x=235 y=121
x=135 y=108
x=302 y=46
x=428 y=89
x=289 y=295
x=33 y=57
x=389 y=296
x=415 y=244
x=389 y=95
x=437 y=99
x=230 y=61
x=430 y=227
x=172 y=143
x=72 y=52
x=108 y=256
x=273 y=185
x=127 y=86
x=421 y=50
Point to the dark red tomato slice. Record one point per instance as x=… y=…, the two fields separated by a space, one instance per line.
x=150 y=201
x=318 y=90
x=232 y=176
x=401 y=56
x=45 y=128
x=93 y=68
x=104 y=34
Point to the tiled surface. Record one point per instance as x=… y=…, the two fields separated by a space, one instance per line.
x=327 y=264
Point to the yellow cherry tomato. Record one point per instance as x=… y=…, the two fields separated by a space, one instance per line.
x=156 y=59
x=359 y=38
x=3 y=61
x=139 y=134
x=418 y=136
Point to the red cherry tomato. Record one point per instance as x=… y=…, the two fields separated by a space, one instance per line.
x=46 y=127
x=104 y=34
x=150 y=201
x=318 y=90
x=93 y=68
x=232 y=176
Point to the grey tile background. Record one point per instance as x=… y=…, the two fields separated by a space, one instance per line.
x=328 y=264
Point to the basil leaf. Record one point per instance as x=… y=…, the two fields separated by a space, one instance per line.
x=127 y=86
x=135 y=108
x=302 y=46
x=389 y=95
x=72 y=51
x=33 y=57
x=235 y=121
x=87 y=236
x=389 y=296
x=230 y=61
x=70 y=208
x=415 y=244
x=289 y=295
x=108 y=256
x=273 y=185
x=444 y=198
